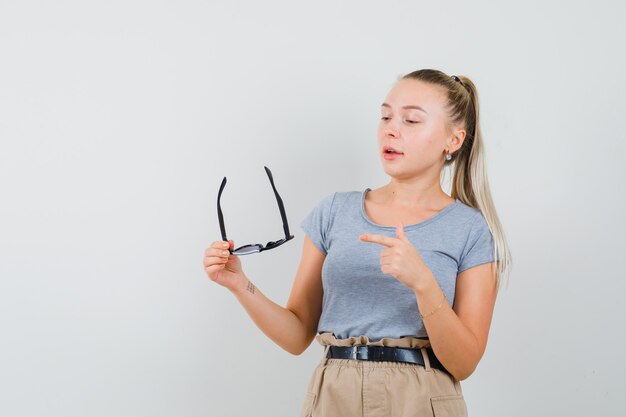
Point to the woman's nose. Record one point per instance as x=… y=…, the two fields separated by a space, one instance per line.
x=391 y=131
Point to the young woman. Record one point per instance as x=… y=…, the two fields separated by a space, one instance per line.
x=397 y=283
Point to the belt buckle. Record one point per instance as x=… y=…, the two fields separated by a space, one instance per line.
x=359 y=352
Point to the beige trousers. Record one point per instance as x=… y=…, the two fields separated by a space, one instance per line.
x=357 y=388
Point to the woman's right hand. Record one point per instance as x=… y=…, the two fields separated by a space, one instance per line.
x=223 y=267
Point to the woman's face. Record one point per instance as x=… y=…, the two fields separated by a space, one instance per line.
x=413 y=122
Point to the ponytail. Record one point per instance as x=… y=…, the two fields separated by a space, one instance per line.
x=469 y=179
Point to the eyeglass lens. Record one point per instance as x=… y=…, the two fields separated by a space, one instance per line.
x=244 y=250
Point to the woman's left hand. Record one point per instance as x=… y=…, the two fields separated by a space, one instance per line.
x=400 y=259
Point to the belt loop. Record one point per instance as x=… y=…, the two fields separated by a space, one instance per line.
x=325 y=358
x=426 y=359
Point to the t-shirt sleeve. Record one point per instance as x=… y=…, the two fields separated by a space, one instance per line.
x=480 y=247
x=316 y=223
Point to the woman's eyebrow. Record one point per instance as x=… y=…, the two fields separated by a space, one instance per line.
x=406 y=107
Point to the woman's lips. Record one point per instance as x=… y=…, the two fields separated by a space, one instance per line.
x=390 y=156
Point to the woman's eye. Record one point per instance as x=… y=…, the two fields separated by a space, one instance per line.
x=385 y=118
x=412 y=121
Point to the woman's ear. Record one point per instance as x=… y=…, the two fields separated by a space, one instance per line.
x=456 y=140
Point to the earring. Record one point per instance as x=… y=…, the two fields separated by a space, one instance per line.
x=448 y=157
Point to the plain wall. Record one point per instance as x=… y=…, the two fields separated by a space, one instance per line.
x=118 y=120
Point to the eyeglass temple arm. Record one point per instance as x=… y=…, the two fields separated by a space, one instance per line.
x=220 y=216
x=281 y=207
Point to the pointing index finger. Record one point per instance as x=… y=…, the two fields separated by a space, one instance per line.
x=383 y=240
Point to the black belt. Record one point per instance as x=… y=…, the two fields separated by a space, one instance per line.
x=384 y=353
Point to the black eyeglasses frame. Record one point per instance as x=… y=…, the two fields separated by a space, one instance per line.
x=256 y=247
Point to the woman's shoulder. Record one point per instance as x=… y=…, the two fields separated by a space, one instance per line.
x=341 y=196
x=470 y=218
x=465 y=209
x=463 y=216
x=336 y=202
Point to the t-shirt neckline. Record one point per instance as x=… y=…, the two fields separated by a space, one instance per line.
x=436 y=217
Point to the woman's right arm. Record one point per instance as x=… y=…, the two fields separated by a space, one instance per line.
x=293 y=328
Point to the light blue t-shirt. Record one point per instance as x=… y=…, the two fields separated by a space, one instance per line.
x=358 y=298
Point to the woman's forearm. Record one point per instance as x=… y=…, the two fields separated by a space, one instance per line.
x=278 y=323
x=453 y=343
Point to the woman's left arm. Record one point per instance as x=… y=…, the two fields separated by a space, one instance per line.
x=458 y=335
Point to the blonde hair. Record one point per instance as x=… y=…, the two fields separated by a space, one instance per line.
x=469 y=180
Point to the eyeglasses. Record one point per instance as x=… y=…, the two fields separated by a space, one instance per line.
x=257 y=247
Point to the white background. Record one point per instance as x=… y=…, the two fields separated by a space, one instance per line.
x=118 y=120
